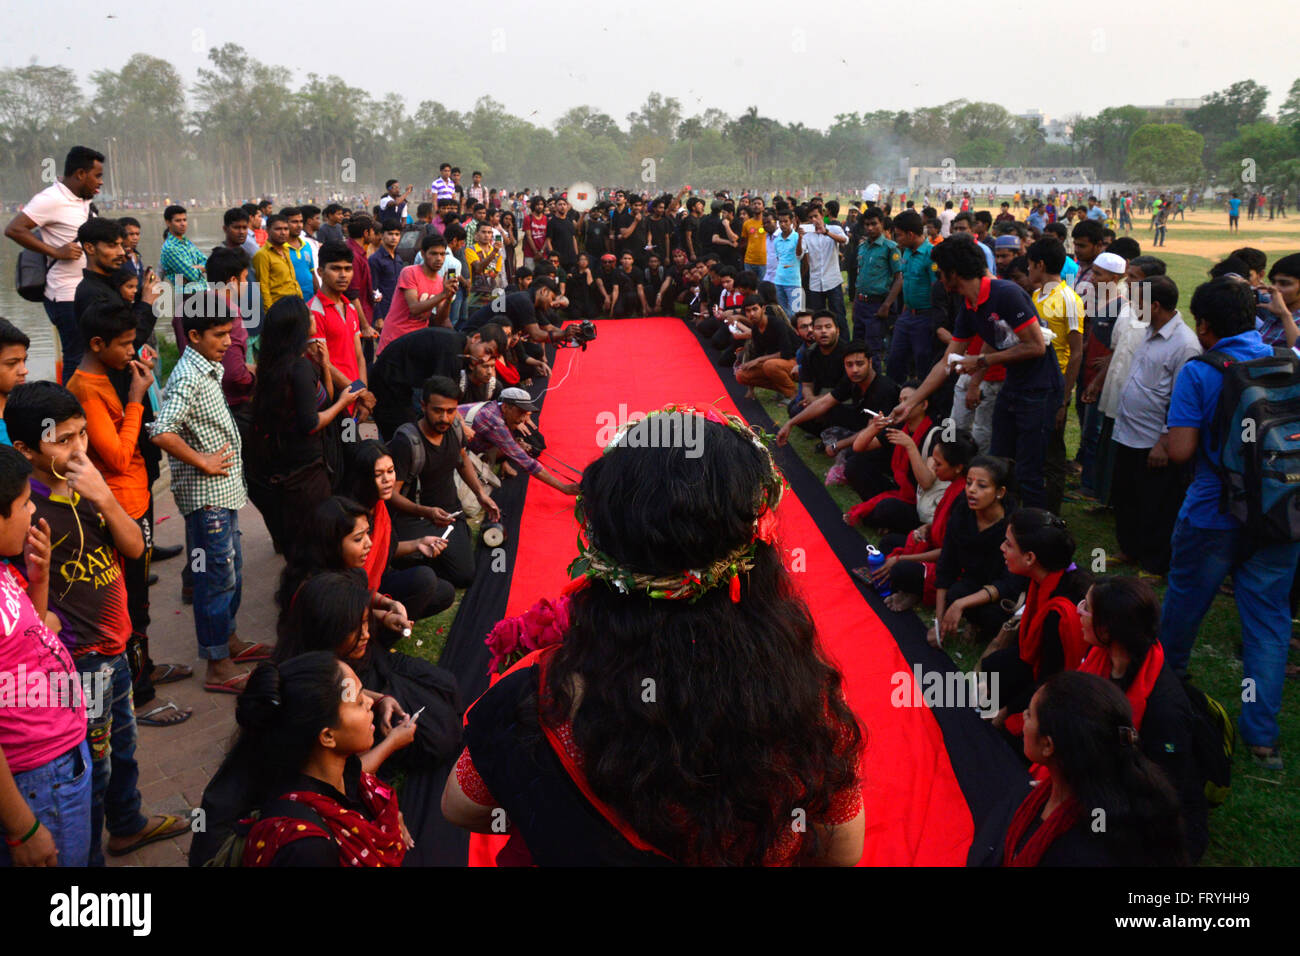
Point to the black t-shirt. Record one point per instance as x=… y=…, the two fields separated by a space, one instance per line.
x=406 y=362
x=561 y=233
x=316 y=851
x=291 y=439
x=659 y=230
x=777 y=337
x=519 y=310
x=708 y=227
x=690 y=226
x=823 y=370
x=635 y=243
x=436 y=479
x=1004 y=309
x=596 y=240
x=880 y=396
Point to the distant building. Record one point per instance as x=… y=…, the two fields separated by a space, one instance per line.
x=1056 y=132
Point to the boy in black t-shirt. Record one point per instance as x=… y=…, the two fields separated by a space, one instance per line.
x=436 y=505
x=823 y=364
x=845 y=406
x=773 y=344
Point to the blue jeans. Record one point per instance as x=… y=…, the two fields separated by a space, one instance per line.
x=1202 y=558
x=913 y=342
x=58 y=792
x=64 y=320
x=1089 y=437
x=758 y=270
x=218 y=572
x=111 y=734
x=790 y=298
x=1022 y=427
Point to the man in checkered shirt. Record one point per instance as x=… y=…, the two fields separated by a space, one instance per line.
x=194 y=426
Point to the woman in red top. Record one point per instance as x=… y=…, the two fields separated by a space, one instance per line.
x=689 y=704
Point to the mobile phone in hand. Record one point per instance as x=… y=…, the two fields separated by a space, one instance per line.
x=357 y=386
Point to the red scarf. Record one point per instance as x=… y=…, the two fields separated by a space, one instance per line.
x=373 y=838
x=1038 y=604
x=1098 y=662
x=1062 y=818
x=901 y=463
x=939 y=526
x=381 y=535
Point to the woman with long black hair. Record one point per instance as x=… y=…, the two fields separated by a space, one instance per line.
x=1120 y=618
x=689 y=714
x=303 y=725
x=1103 y=802
x=287 y=468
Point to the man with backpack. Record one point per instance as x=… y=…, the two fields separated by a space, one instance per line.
x=1234 y=519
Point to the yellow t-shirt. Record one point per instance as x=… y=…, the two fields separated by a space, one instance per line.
x=1062 y=309
x=473 y=253
x=755 y=242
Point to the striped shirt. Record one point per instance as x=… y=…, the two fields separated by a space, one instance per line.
x=194 y=408
x=443 y=188
x=491 y=431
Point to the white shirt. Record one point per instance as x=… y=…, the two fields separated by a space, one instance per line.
x=1125 y=339
x=59 y=214
x=945 y=222
x=769 y=271
x=823 y=258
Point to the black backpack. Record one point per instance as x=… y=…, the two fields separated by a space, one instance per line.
x=1214 y=741
x=1257 y=433
x=30 y=271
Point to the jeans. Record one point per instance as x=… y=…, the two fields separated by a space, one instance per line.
x=912 y=345
x=58 y=793
x=1202 y=558
x=1089 y=436
x=1022 y=427
x=868 y=328
x=790 y=298
x=111 y=734
x=218 y=569
x=758 y=270
x=71 y=342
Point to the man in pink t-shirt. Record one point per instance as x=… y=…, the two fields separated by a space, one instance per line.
x=535 y=224
x=420 y=294
x=45 y=780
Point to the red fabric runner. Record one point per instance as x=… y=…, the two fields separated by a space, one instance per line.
x=915 y=811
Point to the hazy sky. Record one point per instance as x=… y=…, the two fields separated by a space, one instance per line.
x=539 y=59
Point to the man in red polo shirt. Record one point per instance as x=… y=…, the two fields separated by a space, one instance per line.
x=361 y=290
x=337 y=321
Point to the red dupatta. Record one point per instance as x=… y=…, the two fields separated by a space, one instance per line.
x=1062 y=818
x=900 y=466
x=1098 y=662
x=939 y=526
x=363 y=839
x=1038 y=604
x=381 y=537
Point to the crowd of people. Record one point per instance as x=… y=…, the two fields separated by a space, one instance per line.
x=365 y=379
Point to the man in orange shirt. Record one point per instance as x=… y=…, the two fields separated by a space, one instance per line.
x=755 y=238
x=109 y=330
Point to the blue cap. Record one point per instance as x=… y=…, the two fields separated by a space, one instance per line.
x=1007 y=242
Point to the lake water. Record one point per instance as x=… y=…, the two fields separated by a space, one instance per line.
x=205 y=231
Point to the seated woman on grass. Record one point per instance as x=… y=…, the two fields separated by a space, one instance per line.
x=971 y=578
x=889 y=497
x=1047 y=638
x=1121 y=618
x=910 y=559
x=1080 y=728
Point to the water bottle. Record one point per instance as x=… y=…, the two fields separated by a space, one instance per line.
x=874 y=561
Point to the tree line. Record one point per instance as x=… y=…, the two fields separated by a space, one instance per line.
x=240 y=130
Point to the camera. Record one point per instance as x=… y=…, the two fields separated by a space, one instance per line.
x=584 y=332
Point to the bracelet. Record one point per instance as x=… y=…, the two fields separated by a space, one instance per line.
x=988 y=589
x=36 y=825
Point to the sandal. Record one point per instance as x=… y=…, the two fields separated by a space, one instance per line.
x=171 y=826
x=234 y=685
x=170 y=673
x=253 y=652
x=1267 y=758
x=154 y=717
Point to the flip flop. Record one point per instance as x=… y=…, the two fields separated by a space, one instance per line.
x=151 y=718
x=234 y=685
x=172 y=673
x=254 y=652
x=163 y=831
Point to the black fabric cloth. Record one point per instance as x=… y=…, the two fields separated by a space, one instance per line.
x=519 y=309
x=405 y=364
x=547 y=811
x=583 y=300
x=562 y=234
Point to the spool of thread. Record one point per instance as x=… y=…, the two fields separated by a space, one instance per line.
x=494 y=533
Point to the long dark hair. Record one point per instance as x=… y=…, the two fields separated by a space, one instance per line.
x=1128 y=609
x=361 y=471
x=1045 y=535
x=280 y=713
x=745 y=722
x=319 y=547
x=1091 y=725
x=283 y=341
x=327 y=609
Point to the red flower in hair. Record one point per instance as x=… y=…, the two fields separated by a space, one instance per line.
x=765 y=529
x=542 y=625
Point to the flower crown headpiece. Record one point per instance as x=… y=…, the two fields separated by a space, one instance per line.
x=691 y=584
